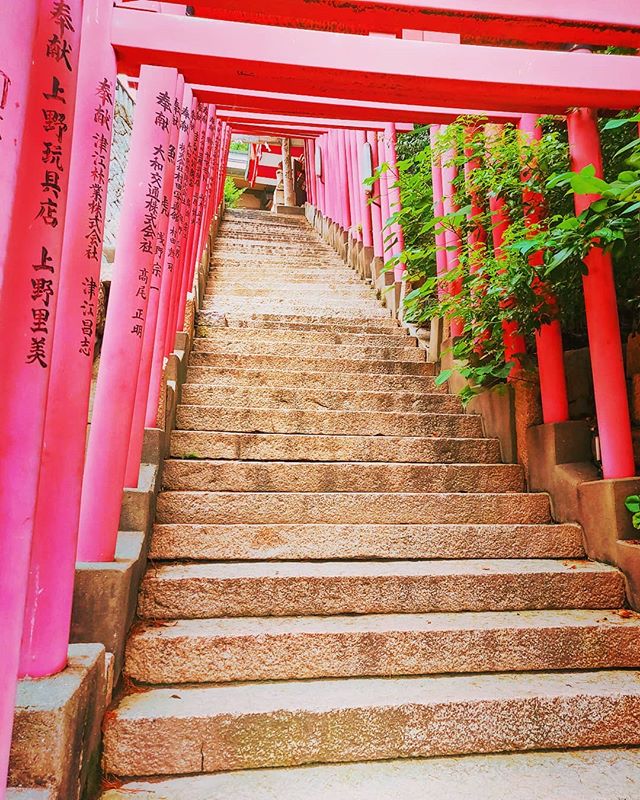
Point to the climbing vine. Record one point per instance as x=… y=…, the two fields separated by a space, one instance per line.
x=536 y=273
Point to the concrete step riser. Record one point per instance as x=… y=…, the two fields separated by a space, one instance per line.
x=245 y=476
x=557 y=712
x=345 y=381
x=265 y=327
x=312 y=320
x=380 y=508
x=217 y=651
x=218 y=334
x=340 y=365
x=302 y=351
x=293 y=542
x=360 y=423
x=298 y=447
x=313 y=400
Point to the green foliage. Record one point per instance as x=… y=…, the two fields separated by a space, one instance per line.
x=536 y=274
x=633 y=505
x=239 y=147
x=231 y=192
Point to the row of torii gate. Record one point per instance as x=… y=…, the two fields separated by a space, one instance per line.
x=292 y=68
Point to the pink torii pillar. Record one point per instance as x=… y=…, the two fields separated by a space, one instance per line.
x=375 y=204
x=553 y=381
x=179 y=282
x=211 y=171
x=158 y=276
x=394 y=197
x=344 y=180
x=171 y=261
x=200 y=114
x=45 y=636
x=514 y=343
x=28 y=300
x=18 y=23
x=605 y=347
x=331 y=179
x=451 y=237
x=365 y=212
x=438 y=207
x=124 y=328
x=383 y=184
x=356 y=214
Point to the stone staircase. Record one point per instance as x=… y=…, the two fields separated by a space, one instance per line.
x=343 y=571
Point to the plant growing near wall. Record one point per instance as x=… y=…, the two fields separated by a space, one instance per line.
x=510 y=284
x=231 y=192
x=632 y=504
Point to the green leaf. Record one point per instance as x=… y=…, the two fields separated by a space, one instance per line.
x=632 y=503
x=443 y=377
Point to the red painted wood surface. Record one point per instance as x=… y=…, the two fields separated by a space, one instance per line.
x=380 y=69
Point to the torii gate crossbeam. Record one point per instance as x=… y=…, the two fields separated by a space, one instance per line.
x=604 y=22
x=382 y=69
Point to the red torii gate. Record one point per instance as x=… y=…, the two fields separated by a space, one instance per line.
x=320 y=75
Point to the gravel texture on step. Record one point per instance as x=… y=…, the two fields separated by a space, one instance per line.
x=187 y=730
x=317 y=447
x=188 y=591
x=292 y=648
x=290 y=476
x=575 y=775
x=298 y=541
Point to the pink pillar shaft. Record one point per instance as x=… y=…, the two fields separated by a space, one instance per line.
x=384 y=195
x=356 y=218
x=136 y=437
x=438 y=207
x=194 y=183
x=365 y=211
x=451 y=236
x=180 y=282
x=610 y=388
x=553 y=381
x=28 y=300
x=122 y=344
x=212 y=165
x=395 y=204
x=374 y=192
x=18 y=24
x=53 y=551
x=172 y=258
x=344 y=180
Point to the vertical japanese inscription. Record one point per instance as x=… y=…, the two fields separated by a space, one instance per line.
x=55 y=144
x=102 y=119
x=153 y=208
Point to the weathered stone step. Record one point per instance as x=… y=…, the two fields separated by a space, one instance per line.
x=349 y=352
x=310 y=291
x=316 y=447
x=313 y=364
x=314 y=399
x=265 y=327
x=367 y=423
x=220 y=280
x=363 y=310
x=573 y=775
x=312 y=320
x=305 y=337
x=246 y=542
x=295 y=648
x=186 y=730
x=291 y=476
x=343 y=508
x=307 y=377
x=294 y=588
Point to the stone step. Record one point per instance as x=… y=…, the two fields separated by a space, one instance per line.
x=179 y=731
x=296 y=648
x=291 y=476
x=234 y=278
x=304 y=351
x=313 y=399
x=365 y=309
x=313 y=364
x=333 y=320
x=316 y=447
x=299 y=541
x=307 y=377
x=344 y=507
x=294 y=588
x=315 y=291
x=257 y=325
x=367 y=423
x=573 y=775
x=304 y=337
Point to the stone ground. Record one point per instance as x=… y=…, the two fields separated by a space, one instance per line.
x=343 y=571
